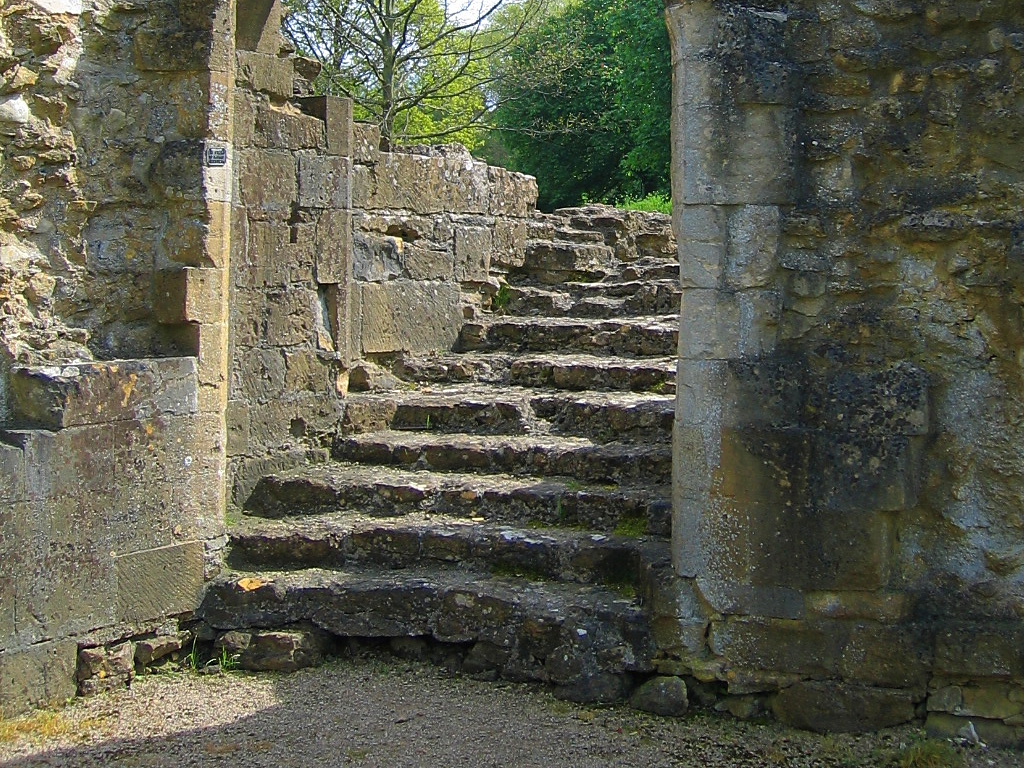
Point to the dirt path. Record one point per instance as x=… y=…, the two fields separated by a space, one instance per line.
x=399 y=714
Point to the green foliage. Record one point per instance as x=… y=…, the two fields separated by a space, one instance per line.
x=501 y=299
x=584 y=102
x=416 y=68
x=656 y=202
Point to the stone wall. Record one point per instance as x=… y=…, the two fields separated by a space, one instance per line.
x=848 y=483
x=343 y=256
x=114 y=192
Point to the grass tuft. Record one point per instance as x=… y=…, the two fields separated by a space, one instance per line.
x=928 y=754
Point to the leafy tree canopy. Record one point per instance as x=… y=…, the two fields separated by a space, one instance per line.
x=591 y=117
x=418 y=68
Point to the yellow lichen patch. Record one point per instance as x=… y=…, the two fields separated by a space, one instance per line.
x=250 y=585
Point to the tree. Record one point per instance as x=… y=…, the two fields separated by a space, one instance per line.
x=593 y=123
x=417 y=68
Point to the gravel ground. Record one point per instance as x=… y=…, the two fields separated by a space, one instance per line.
x=394 y=713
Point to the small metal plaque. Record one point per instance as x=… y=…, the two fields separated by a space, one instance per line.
x=216 y=157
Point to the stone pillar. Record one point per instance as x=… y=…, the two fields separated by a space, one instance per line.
x=733 y=171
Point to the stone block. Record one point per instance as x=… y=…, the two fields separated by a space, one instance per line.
x=993 y=733
x=864 y=472
x=836 y=707
x=980 y=651
x=266 y=73
x=472 y=254
x=276 y=651
x=511 y=194
x=177 y=171
x=722 y=325
x=278 y=128
x=424 y=262
x=96 y=393
x=291 y=318
x=185 y=49
x=403 y=316
x=888 y=656
x=105 y=669
x=791 y=647
x=333 y=247
x=159 y=582
x=39 y=676
x=237 y=418
x=266 y=256
x=212 y=355
x=12 y=473
x=336 y=115
x=325 y=182
x=63 y=572
x=244 y=118
x=267 y=183
x=188 y=295
x=753 y=246
x=509 y=243
x=365 y=143
x=377 y=259
x=258 y=26
x=364 y=187
x=739 y=157
x=663 y=696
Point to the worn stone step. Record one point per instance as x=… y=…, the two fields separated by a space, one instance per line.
x=539 y=455
x=477 y=409
x=642 y=337
x=499 y=498
x=332 y=541
x=479 y=367
x=586 y=640
x=534 y=301
x=555 y=261
x=590 y=372
x=642 y=299
x=576 y=372
x=607 y=416
x=651 y=271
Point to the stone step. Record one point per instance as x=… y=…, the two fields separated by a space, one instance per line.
x=641 y=337
x=498 y=498
x=556 y=261
x=651 y=271
x=483 y=409
x=608 y=416
x=586 y=640
x=643 y=299
x=475 y=409
x=339 y=540
x=479 y=367
x=539 y=455
x=589 y=372
x=575 y=372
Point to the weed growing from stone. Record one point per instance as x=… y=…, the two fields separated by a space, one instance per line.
x=500 y=300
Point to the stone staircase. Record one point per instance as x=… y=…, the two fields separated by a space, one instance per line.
x=510 y=499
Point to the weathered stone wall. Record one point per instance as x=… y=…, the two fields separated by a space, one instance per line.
x=113 y=243
x=342 y=255
x=433 y=229
x=848 y=483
